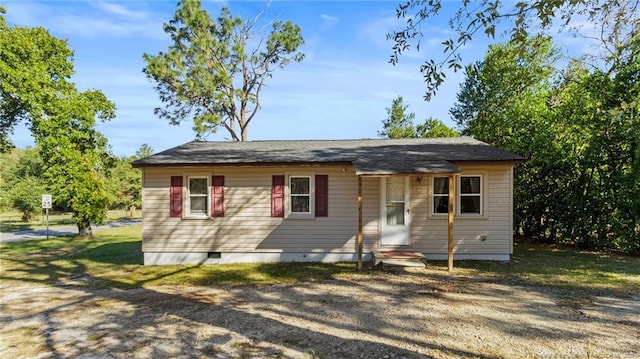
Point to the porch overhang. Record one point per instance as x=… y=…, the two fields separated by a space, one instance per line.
x=404 y=166
x=366 y=167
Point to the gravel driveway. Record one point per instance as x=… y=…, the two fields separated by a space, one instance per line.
x=422 y=313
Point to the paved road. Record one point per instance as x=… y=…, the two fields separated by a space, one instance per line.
x=65 y=230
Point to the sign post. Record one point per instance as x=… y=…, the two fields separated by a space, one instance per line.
x=46 y=204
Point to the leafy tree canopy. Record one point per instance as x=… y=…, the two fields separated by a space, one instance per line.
x=616 y=22
x=580 y=132
x=144 y=151
x=434 y=128
x=35 y=68
x=399 y=124
x=215 y=70
x=21 y=182
x=502 y=96
x=124 y=184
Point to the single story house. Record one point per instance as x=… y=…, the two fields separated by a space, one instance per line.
x=327 y=200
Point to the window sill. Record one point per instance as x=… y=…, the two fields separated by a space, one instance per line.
x=301 y=216
x=196 y=216
x=444 y=217
x=471 y=216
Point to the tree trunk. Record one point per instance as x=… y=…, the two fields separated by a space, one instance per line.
x=243 y=133
x=84 y=228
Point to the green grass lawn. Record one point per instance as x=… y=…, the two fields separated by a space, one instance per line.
x=562 y=268
x=112 y=259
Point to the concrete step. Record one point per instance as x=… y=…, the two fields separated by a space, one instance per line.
x=399 y=258
x=402 y=263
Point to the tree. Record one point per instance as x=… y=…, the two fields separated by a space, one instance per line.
x=35 y=68
x=26 y=197
x=77 y=157
x=125 y=182
x=578 y=130
x=602 y=132
x=500 y=99
x=618 y=21
x=21 y=180
x=212 y=74
x=144 y=151
x=20 y=163
x=399 y=123
x=504 y=101
x=434 y=128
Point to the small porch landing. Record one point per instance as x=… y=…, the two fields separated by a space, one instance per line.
x=399 y=258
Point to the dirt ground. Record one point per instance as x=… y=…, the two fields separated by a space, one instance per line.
x=414 y=314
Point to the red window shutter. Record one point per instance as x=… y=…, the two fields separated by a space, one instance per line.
x=175 y=196
x=217 y=196
x=322 y=195
x=277 y=196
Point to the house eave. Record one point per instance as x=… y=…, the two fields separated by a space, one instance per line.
x=512 y=162
x=244 y=164
x=404 y=174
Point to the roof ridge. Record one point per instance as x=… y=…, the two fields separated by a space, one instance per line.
x=343 y=140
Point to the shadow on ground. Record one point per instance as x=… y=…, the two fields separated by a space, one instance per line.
x=370 y=315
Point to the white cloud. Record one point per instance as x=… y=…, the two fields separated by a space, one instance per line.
x=24 y=14
x=91 y=27
x=117 y=9
x=376 y=30
x=328 y=20
x=78 y=20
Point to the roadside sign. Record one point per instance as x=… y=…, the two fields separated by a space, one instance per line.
x=46 y=201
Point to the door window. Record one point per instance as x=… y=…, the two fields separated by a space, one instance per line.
x=395 y=201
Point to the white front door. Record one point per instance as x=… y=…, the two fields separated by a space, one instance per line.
x=394 y=211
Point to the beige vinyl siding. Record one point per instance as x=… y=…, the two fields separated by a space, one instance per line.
x=247 y=225
x=370 y=213
x=429 y=232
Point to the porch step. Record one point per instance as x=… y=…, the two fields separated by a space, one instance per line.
x=399 y=258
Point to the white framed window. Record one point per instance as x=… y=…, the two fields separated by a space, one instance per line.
x=440 y=195
x=198 y=196
x=470 y=197
x=300 y=194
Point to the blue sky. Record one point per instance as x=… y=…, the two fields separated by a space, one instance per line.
x=340 y=90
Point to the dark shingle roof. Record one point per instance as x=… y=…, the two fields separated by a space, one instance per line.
x=369 y=157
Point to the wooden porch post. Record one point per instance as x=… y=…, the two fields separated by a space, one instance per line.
x=359 y=223
x=450 y=239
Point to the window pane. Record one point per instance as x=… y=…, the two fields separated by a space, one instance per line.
x=395 y=213
x=299 y=204
x=299 y=185
x=441 y=204
x=395 y=189
x=470 y=204
x=441 y=185
x=470 y=184
x=199 y=205
x=198 y=185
